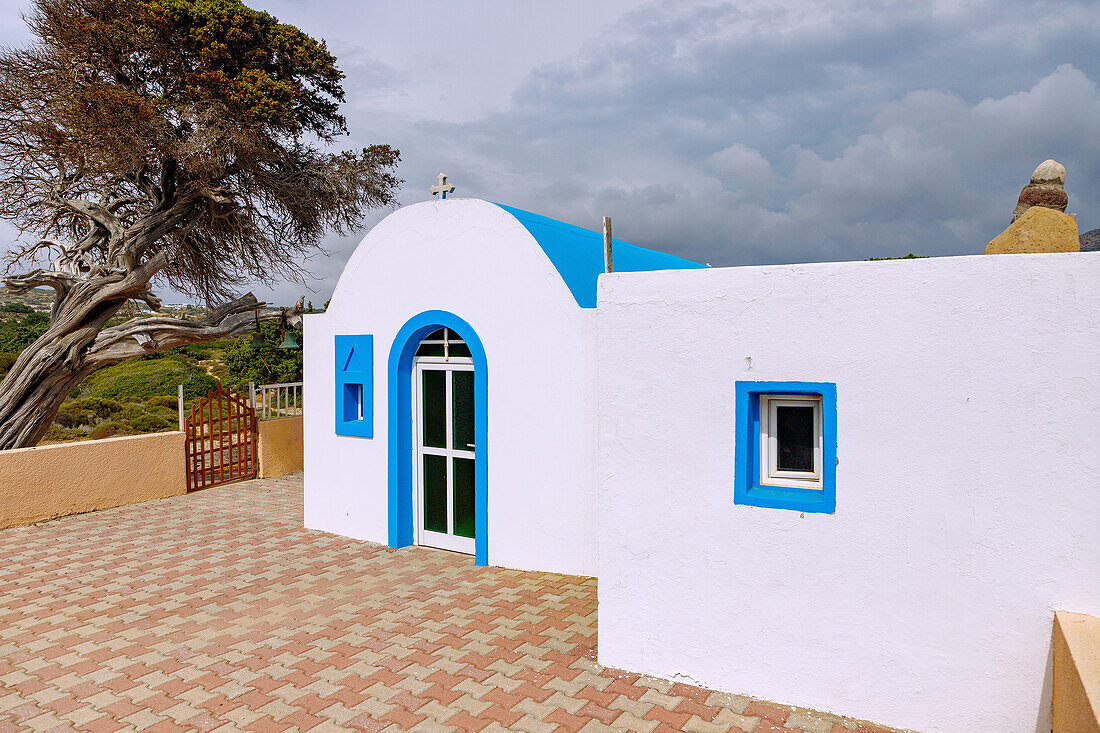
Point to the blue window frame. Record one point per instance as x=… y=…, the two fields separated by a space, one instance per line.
x=355 y=386
x=749 y=488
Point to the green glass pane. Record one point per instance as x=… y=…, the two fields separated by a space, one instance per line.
x=434 y=409
x=464 y=497
x=435 y=493
x=462 y=409
x=460 y=349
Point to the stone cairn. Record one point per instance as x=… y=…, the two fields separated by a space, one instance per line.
x=1047 y=188
x=1039 y=222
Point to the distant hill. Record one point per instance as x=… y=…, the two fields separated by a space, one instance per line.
x=39 y=300
x=1090 y=241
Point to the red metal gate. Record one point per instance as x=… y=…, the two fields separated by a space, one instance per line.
x=220 y=437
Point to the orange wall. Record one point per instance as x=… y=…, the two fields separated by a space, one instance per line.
x=69 y=478
x=280 y=446
x=1076 y=704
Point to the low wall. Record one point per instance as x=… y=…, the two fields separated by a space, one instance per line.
x=967 y=404
x=1076 y=673
x=70 y=478
x=280 y=446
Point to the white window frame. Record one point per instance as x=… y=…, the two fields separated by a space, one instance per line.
x=770 y=475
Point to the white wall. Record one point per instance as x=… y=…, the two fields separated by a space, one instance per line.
x=968 y=483
x=475 y=260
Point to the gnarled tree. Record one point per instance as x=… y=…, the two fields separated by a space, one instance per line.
x=178 y=142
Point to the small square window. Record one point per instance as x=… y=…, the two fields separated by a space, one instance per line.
x=785 y=446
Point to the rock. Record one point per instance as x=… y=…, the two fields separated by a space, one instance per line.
x=1038 y=229
x=1046 y=189
x=1090 y=241
x=1050 y=171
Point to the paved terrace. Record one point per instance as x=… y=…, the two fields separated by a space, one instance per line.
x=218 y=611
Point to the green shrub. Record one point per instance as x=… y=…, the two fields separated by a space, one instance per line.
x=152 y=422
x=107 y=430
x=162 y=400
x=101 y=408
x=130 y=412
x=68 y=417
x=266 y=364
x=59 y=434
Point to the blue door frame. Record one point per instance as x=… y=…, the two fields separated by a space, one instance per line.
x=402 y=454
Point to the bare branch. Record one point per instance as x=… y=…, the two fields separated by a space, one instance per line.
x=156 y=333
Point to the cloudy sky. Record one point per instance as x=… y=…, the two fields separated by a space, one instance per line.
x=739 y=133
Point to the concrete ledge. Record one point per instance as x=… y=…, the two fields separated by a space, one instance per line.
x=1076 y=704
x=70 y=478
x=279 y=446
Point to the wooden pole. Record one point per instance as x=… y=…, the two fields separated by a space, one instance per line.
x=607 y=264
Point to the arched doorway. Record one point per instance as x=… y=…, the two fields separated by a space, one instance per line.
x=437 y=436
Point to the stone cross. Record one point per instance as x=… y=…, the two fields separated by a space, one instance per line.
x=442 y=188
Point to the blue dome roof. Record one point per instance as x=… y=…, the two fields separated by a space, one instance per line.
x=578 y=254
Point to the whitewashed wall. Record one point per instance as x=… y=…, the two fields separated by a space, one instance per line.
x=968 y=483
x=475 y=260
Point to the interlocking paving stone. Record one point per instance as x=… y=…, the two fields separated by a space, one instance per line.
x=218 y=611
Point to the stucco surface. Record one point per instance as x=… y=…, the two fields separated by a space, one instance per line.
x=279 y=446
x=475 y=260
x=69 y=478
x=966 y=504
x=1076 y=701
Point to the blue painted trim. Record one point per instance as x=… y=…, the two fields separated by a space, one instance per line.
x=354 y=377
x=577 y=254
x=746 y=469
x=401 y=451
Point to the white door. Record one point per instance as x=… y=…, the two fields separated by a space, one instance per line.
x=444 y=392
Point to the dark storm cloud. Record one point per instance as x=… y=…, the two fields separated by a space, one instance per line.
x=749 y=134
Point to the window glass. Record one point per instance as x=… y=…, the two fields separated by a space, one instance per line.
x=794 y=438
x=462 y=410
x=434 y=408
x=464 y=497
x=426 y=349
x=435 y=493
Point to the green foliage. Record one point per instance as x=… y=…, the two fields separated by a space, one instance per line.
x=152 y=422
x=15 y=308
x=107 y=430
x=267 y=364
x=6 y=360
x=162 y=401
x=16 y=335
x=96 y=406
x=139 y=379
